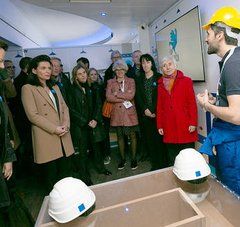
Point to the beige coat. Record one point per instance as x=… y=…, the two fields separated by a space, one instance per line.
x=42 y=114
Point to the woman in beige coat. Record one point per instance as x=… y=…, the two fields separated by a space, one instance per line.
x=120 y=92
x=48 y=113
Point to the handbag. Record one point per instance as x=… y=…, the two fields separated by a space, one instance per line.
x=107 y=109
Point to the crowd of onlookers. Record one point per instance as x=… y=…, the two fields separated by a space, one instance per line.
x=58 y=122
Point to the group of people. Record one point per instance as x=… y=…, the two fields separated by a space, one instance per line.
x=62 y=119
x=156 y=111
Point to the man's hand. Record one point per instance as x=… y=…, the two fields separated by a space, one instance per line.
x=7 y=170
x=211 y=99
x=203 y=99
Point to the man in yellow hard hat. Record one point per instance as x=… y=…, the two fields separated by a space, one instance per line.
x=222 y=38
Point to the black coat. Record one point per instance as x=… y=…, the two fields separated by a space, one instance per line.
x=140 y=96
x=6 y=154
x=83 y=108
x=21 y=121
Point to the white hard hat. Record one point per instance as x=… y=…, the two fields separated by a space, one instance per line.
x=190 y=165
x=69 y=199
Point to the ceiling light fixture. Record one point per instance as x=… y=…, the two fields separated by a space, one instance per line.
x=52 y=53
x=83 y=52
x=103 y=14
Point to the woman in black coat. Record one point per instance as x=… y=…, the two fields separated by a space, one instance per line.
x=146 y=100
x=86 y=122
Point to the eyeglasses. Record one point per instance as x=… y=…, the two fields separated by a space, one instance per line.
x=10 y=67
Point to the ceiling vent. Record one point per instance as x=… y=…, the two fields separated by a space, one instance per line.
x=91 y=1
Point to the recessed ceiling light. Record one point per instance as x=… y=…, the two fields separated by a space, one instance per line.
x=103 y=14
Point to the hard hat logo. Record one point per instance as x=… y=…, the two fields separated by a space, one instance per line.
x=230 y=16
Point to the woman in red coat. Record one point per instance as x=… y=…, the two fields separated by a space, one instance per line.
x=176 y=109
x=120 y=92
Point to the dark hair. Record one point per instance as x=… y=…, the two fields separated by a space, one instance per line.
x=3 y=45
x=24 y=62
x=229 y=40
x=147 y=57
x=33 y=79
x=83 y=60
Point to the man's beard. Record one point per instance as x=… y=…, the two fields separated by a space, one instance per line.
x=212 y=50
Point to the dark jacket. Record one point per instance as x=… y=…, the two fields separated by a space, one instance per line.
x=141 y=102
x=21 y=121
x=64 y=86
x=6 y=153
x=84 y=108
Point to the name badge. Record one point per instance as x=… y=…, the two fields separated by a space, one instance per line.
x=127 y=104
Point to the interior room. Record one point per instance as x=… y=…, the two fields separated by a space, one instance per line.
x=122 y=155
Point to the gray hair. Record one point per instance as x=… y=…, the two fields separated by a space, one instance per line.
x=115 y=52
x=120 y=64
x=168 y=58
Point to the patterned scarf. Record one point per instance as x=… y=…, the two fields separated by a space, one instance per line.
x=168 y=81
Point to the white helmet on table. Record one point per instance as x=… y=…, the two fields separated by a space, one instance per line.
x=69 y=199
x=190 y=165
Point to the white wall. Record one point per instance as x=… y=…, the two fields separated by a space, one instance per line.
x=99 y=56
x=207 y=8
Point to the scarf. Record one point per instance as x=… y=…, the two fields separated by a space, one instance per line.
x=168 y=81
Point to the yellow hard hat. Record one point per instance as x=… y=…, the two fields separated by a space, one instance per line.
x=228 y=15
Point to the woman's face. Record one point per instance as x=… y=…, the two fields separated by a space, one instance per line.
x=81 y=75
x=93 y=76
x=168 y=67
x=146 y=65
x=43 y=71
x=2 y=55
x=120 y=73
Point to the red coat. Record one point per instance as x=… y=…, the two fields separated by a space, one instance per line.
x=120 y=116
x=177 y=111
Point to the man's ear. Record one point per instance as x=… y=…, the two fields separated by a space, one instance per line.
x=220 y=35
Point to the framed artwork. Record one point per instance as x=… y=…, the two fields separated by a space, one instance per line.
x=182 y=39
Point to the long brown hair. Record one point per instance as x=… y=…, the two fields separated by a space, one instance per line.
x=74 y=72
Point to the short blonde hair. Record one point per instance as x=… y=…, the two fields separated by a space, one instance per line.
x=120 y=64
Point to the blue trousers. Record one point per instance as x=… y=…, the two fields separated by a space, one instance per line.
x=228 y=165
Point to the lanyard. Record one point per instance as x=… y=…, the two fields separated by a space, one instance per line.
x=229 y=55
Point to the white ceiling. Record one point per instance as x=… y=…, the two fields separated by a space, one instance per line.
x=70 y=24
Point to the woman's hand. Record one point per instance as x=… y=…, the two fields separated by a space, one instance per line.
x=92 y=124
x=148 y=113
x=61 y=130
x=191 y=128
x=7 y=170
x=160 y=131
